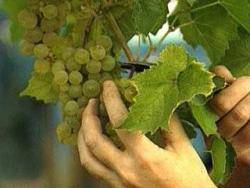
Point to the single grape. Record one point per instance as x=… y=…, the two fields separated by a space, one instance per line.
x=95 y=77
x=34 y=35
x=108 y=63
x=72 y=121
x=50 y=11
x=27 y=19
x=58 y=48
x=63 y=9
x=94 y=67
x=75 y=77
x=26 y=48
x=105 y=41
x=82 y=101
x=41 y=51
x=71 y=108
x=64 y=87
x=75 y=91
x=58 y=66
x=67 y=53
x=64 y=97
x=97 y=52
x=61 y=77
x=91 y=88
x=50 y=39
x=41 y=66
x=72 y=65
x=82 y=56
x=63 y=131
x=124 y=83
x=49 y=25
x=130 y=93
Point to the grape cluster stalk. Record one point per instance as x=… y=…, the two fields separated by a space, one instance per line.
x=68 y=39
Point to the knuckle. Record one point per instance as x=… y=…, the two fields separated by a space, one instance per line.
x=240 y=115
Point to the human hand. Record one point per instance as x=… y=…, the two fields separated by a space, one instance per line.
x=142 y=164
x=233 y=107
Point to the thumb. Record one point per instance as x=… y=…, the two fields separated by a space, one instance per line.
x=176 y=138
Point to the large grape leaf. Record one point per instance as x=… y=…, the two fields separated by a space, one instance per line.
x=149 y=16
x=237 y=57
x=164 y=87
x=40 y=86
x=12 y=8
x=210 y=27
x=239 y=10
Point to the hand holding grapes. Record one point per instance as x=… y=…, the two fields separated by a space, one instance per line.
x=142 y=164
x=233 y=107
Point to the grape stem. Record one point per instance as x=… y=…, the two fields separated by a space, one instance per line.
x=118 y=34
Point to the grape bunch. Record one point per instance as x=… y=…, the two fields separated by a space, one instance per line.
x=69 y=41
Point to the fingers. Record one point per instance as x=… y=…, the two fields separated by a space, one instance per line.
x=241 y=141
x=223 y=102
x=231 y=123
x=135 y=142
x=95 y=167
x=98 y=143
x=176 y=138
x=223 y=72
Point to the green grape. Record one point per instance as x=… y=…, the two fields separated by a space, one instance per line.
x=67 y=53
x=64 y=97
x=58 y=48
x=81 y=56
x=105 y=76
x=130 y=93
x=58 y=66
x=124 y=83
x=50 y=11
x=75 y=77
x=26 y=48
x=102 y=110
x=90 y=44
x=72 y=65
x=108 y=63
x=50 y=39
x=98 y=52
x=72 y=139
x=35 y=35
x=42 y=66
x=27 y=19
x=71 y=108
x=61 y=77
x=41 y=51
x=49 y=25
x=64 y=9
x=95 y=77
x=71 y=19
x=72 y=121
x=64 y=87
x=82 y=101
x=63 y=131
x=94 y=67
x=105 y=41
x=91 y=88
x=75 y=91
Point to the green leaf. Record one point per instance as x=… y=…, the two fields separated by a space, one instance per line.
x=164 y=87
x=230 y=162
x=40 y=87
x=237 y=57
x=12 y=9
x=219 y=154
x=149 y=16
x=205 y=117
x=239 y=10
x=211 y=27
